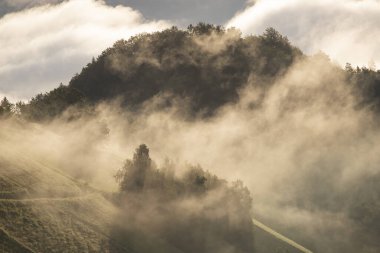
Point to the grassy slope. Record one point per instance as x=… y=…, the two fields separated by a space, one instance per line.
x=10 y=244
x=42 y=210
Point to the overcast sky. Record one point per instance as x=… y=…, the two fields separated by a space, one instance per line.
x=45 y=42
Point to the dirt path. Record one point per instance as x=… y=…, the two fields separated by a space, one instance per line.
x=280 y=236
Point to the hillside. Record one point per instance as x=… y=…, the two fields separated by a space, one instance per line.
x=43 y=210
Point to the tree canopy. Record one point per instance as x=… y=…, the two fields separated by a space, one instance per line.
x=196 y=204
x=201 y=69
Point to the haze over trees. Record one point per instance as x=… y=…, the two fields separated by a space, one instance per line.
x=202 y=68
x=195 y=212
x=196 y=81
x=5 y=108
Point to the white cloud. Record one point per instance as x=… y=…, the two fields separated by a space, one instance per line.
x=347 y=30
x=46 y=45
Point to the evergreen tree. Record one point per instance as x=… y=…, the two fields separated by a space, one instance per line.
x=6 y=108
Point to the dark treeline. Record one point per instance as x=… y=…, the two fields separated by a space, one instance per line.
x=194 y=212
x=202 y=68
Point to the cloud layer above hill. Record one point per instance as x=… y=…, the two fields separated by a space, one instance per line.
x=347 y=30
x=46 y=45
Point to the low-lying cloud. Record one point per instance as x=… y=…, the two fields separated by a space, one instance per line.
x=46 y=45
x=347 y=30
x=306 y=153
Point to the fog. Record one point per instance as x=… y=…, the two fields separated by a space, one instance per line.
x=302 y=147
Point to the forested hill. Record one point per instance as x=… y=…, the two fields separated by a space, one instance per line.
x=201 y=69
x=203 y=66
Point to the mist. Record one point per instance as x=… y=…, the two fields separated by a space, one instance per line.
x=301 y=141
x=302 y=147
